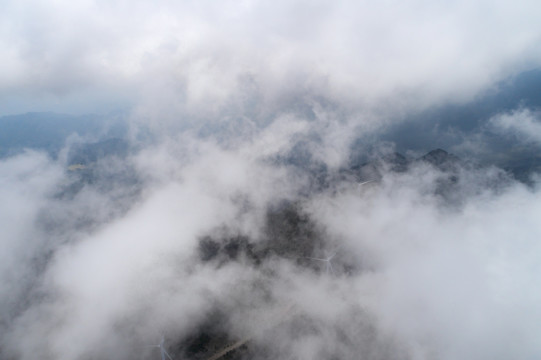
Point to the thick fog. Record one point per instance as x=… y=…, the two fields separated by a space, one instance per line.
x=251 y=211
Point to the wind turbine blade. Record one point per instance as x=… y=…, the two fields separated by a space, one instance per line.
x=166 y=353
x=316 y=259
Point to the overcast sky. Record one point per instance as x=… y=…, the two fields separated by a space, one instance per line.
x=202 y=57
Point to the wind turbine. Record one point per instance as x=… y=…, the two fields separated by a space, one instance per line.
x=365 y=182
x=162 y=349
x=328 y=264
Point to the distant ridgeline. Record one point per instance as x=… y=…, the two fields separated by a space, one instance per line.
x=450 y=125
x=446 y=125
x=49 y=131
x=82 y=155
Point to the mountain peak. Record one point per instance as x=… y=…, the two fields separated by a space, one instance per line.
x=440 y=159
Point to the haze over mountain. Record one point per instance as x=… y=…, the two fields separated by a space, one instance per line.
x=256 y=180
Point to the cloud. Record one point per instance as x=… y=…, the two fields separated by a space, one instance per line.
x=522 y=123
x=26 y=181
x=452 y=283
x=209 y=230
x=206 y=58
x=428 y=263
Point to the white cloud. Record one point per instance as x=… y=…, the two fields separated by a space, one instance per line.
x=523 y=123
x=195 y=55
x=415 y=276
x=456 y=283
x=419 y=275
